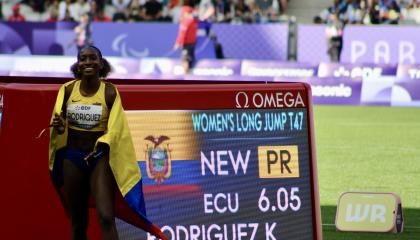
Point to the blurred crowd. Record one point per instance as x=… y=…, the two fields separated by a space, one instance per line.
x=372 y=12
x=228 y=11
x=343 y=12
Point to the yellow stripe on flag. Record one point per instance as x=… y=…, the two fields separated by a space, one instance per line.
x=177 y=125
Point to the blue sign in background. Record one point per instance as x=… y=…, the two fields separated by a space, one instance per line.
x=138 y=40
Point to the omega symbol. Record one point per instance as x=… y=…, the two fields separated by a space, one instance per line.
x=244 y=101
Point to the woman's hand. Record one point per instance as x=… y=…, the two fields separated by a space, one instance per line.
x=59 y=123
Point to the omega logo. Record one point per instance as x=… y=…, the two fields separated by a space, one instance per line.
x=242 y=97
x=269 y=100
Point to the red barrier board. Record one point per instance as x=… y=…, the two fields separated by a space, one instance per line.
x=275 y=198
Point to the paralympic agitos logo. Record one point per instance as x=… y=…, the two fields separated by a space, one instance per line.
x=284 y=99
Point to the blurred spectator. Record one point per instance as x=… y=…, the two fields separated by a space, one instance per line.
x=283 y=6
x=207 y=14
x=174 y=10
x=63 y=7
x=135 y=11
x=242 y=12
x=97 y=12
x=383 y=11
x=1 y=11
x=121 y=9
x=348 y=11
x=53 y=15
x=83 y=32
x=100 y=3
x=262 y=10
x=51 y=12
x=413 y=12
x=218 y=49
x=233 y=11
x=374 y=13
x=37 y=5
x=390 y=12
x=354 y=12
x=67 y=17
x=207 y=10
x=101 y=16
x=119 y=17
x=318 y=20
x=121 y=5
x=152 y=10
x=16 y=16
x=334 y=34
x=93 y=10
x=338 y=8
x=187 y=35
x=223 y=10
x=11 y=2
x=79 y=8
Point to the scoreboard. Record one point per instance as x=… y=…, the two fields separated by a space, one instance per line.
x=226 y=161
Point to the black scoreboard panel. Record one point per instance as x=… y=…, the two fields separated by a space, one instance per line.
x=227 y=162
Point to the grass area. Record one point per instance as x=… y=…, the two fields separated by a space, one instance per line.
x=368 y=149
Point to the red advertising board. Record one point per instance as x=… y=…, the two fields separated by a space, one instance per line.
x=237 y=161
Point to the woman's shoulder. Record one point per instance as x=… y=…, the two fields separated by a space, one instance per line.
x=110 y=93
x=68 y=86
x=70 y=83
x=109 y=87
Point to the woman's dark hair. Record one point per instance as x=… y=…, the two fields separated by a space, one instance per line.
x=103 y=72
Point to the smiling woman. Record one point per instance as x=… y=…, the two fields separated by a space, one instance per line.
x=88 y=120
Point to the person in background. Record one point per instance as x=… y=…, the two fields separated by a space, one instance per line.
x=93 y=11
x=53 y=10
x=283 y=6
x=207 y=10
x=67 y=17
x=152 y=10
x=242 y=12
x=354 y=12
x=83 y=32
x=218 y=49
x=207 y=14
x=412 y=12
x=65 y=11
x=135 y=12
x=101 y=16
x=174 y=10
x=334 y=35
x=121 y=10
x=374 y=13
x=187 y=35
x=79 y=8
x=16 y=16
x=224 y=11
x=86 y=159
x=53 y=15
x=1 y=11
x=390 y=12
